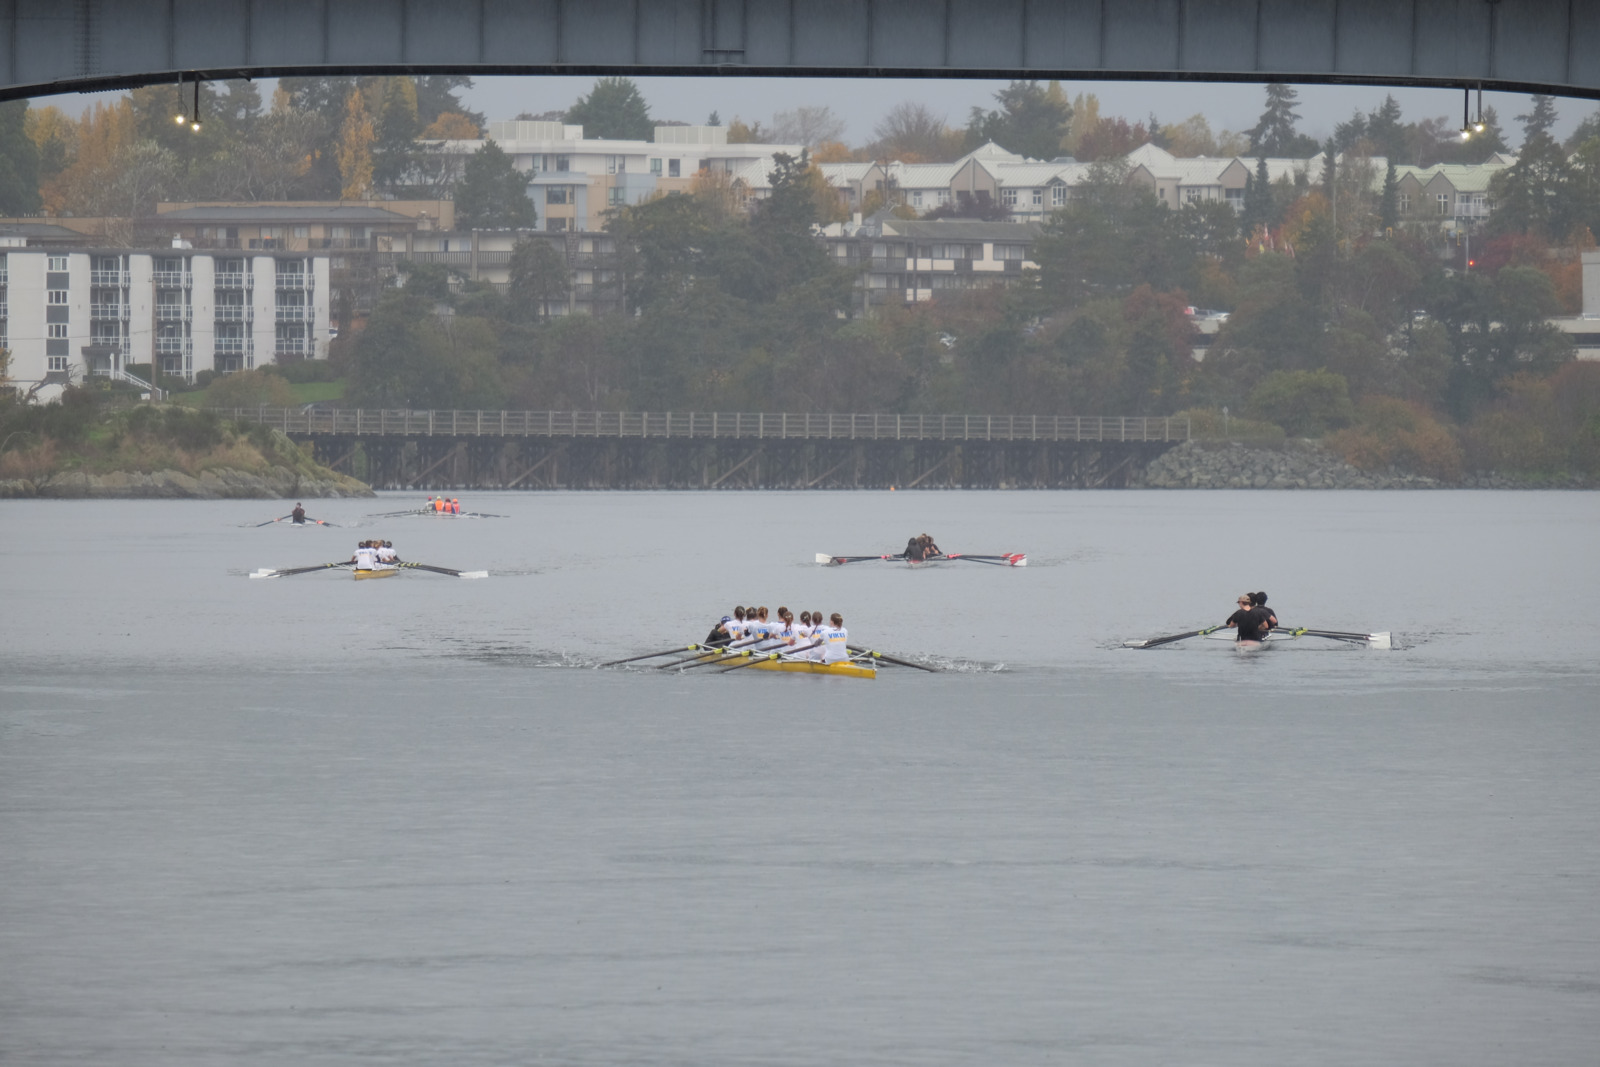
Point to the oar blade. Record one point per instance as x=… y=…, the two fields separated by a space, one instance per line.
x=473 y=574
x=826 y=560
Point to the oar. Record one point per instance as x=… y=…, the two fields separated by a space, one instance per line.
x=1013 y=559
x=653 y=655
x=269 y=522
x=396 y=514
x=890 y=659
x=1336 y=635
x=713 y=651
x=323 y=522
x=264 y=573
x=761 y=657
x=1155 y=641
x=824 y=558
x=444 y=570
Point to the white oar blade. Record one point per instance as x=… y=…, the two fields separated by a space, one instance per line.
x=1380 y=641
x=1135 y=644
x=824 y=558
x=264 y=573
x=1019 y=560
x=474 y=574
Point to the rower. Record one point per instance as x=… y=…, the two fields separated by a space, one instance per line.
x=818 y=626
x=298 y=515
x=929 y=549
x=386 y=552
x=366 y=556
x=836 y=640
x=455 y=505
x=1259 y=601
x=913 y=552
x=1248 y=620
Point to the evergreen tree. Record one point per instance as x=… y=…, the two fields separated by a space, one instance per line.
x=1031 y=121
x=1275 y=134
x=1157 y=136
x=493 y=194
x=1330 y=175
x=714 y=119
x=1539 y=118
x=1387 y=133
x=1389 y=206
x=1346 y=135
x=1491 y=139
x=539 y=278
x=436 y=95
x=19 y=161
x=614 y=110
x=1587 y=130
x=1257 y=199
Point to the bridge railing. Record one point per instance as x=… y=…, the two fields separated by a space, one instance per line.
x=684 y=424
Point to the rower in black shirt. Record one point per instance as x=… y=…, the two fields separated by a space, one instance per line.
x=929 y=549
x=1259 y=602
x=298 y=515
x=914 y=550
x=1249 y=620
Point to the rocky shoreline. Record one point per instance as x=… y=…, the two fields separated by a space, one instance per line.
x=1301 y=465
x=222 y=484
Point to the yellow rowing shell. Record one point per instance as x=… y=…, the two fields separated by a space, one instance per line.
x=377 y=572
x=804 y=666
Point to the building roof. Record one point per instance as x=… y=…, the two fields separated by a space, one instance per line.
x=961 y=230
x=276 y=213
x=44 y=232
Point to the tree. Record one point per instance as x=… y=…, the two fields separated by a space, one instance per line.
x=1306 y=403
x=806 y=126
x=19 y=161
x=355 y=149
x=393 y=104
x=1110 y=139
x=451 y=126
x=1258 y=201
x=539 y=277
x=1389 y=207
x=1274 y=134
x=1032 y=120
x=437 y=94
x=1387 y=133
x=493 y=194
x=614 y=110
x=911 y=133
x=1586 y=131
x=1538 y=194
x=713 y=119
x=1541 y=115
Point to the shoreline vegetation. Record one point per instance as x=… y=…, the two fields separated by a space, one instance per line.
x=88 y=446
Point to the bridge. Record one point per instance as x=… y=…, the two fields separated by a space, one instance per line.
x=55 y=46
x=442 y=450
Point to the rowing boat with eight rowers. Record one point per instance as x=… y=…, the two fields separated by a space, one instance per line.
x=372 y=559
x=753 y=637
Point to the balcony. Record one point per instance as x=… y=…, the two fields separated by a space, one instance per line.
x=233 y=279
x=233 y=313
x=172 y=279
x=288 y=280
x=109 y=312
x=116 y=279
x=346 y=243
x=231 y=345
x=294 y=314
x=172 y=346
x=289 y=347
x=173 y=312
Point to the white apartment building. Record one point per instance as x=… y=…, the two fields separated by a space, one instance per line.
x=573 y=182
x=66 y=315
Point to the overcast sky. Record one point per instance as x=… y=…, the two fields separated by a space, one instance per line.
x=862 y=102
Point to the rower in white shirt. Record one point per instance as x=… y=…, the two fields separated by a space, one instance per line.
x=386 y=553
x=366 y=556
x=837 y=638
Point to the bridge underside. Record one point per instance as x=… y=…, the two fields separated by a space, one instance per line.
x=443 y=463
x=52 y=46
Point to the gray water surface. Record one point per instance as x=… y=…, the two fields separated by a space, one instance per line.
x=407 y=822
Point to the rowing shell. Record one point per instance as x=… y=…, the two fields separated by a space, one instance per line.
x=841 y=669
x=376 y=572
x=1006 y=559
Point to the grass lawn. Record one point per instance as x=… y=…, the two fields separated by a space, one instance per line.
x=315 y=392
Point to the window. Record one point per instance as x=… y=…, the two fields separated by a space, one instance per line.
x=57 y=296
x=1038 y=197
x=655 y=167
x=56 y=329
x=1058 y=195
x=944 y=196
x=1004 y=252
x=616 y=197
x=616 y=164
x=673 y=168
x=57 y=263
x=1194 y=194
x=1403 y=203
x=302 y=231
x=1008 y=197
x=916 y=198
x=555 y=225
x=57 y=363
x=556 y=194
x=1444 y=203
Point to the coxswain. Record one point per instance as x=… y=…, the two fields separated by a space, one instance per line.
x=719 y=636
x=836 y=640
x=1248 y=620
x=1259 y=602
x=913 y=552
x=298 y=515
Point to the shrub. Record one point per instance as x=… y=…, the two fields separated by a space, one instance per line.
x=1209 y=424
x=1306 y=403
x=1395 y=433
x=306 y=370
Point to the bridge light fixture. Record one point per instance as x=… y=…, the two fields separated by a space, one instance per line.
x=1466 y=119
x=194 y=123
x=1478 y=125
x=178 y=116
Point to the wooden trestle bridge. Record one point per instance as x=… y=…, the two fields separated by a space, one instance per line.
x=681 y=450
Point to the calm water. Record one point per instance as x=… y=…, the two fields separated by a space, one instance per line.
x=313 y=821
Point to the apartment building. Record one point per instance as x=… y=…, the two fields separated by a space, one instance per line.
x=910 y=262
x=66 y=315
x=574 y=181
